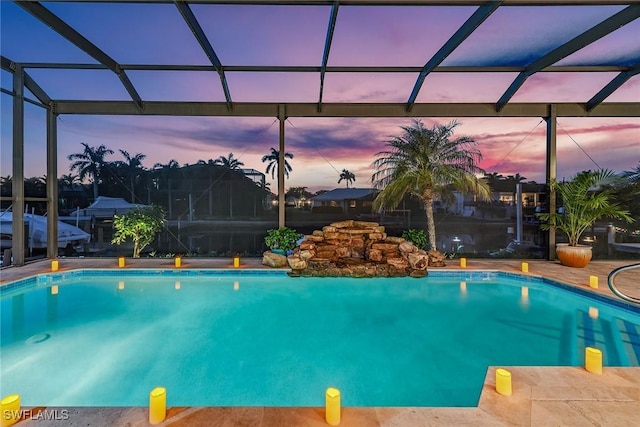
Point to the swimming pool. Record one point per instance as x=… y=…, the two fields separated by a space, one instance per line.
x=260 y=338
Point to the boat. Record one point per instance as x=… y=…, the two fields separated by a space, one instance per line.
x=36 y=232
x=105 y=208
x=519 y=248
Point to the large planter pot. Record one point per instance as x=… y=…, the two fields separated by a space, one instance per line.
x=574 y=256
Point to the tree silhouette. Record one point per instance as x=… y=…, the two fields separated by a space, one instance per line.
x=229 y=162
x=133 y=169
x=347 y=176
x=90 y=163
x=274 y=158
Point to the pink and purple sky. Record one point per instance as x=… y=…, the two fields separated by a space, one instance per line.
x=294 y=35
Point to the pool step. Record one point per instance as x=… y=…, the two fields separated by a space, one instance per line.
x=601 y=334
x=630 y=340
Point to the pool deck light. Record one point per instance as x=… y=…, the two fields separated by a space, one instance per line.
x=55 y=265
x=503 y=382
x=236 y=261
x=157 y=405
x=525 y=267
x=593 y=360
x=121 y=262
x=593 y=282
x=178 y=262
x=10 y=409
x=332 y=406
x=463 y=263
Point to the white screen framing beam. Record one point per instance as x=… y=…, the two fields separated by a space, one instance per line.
x=327 y=47
x=474 y=21
x=29 y=83
x=199 y=34
x=258 y=109
x=66 y=31
x=596 y=32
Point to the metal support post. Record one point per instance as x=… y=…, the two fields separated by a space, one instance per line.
x=281 y=160
x=551 y=174
x=52 y=184
x=18 y=235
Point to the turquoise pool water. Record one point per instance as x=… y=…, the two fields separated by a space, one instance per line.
x=262 y=338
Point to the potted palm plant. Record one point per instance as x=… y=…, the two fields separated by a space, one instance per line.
x=585 y=199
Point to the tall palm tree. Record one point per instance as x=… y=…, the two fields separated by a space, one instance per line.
x=166 y=172
x=347 y=176
x=274 y=158
x=427 y=163
x=90 y=163
x=133 y=167
x=229 y=162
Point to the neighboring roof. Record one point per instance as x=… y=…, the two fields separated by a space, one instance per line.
x=345 y=194
x=107 y=207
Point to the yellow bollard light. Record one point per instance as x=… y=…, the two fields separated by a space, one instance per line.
x=177 y=286
x=178 y=262
x=236 y=286
x=10 y=410
x=593 y=282
x=525 y=267
x=121 y=262
x=55 y=265
x=236 y=261
x=332 y=406
x=503 y=382
x=157 y=405
x=593 y=360
x=463 y=263
x=593 y=312
x=120 y=285
x=54 y=290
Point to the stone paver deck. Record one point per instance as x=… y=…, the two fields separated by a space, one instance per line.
x=542 y=396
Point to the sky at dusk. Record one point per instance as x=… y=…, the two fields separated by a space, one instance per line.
x=278 y=35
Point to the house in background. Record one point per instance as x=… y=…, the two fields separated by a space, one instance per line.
x=345 y=200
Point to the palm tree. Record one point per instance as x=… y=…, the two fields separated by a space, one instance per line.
x=89 y=163
x=429 y=164
x=493 y=178
x=167 y=171
x=228 y=162
x=347 y=176
x=273 y=158
x=231 y=164
x=133 y=167
x=68 y=181
x=633 y=175
x=6 y=185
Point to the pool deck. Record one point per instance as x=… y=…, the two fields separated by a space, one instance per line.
x=542 y=396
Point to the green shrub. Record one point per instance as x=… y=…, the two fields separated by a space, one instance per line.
x=284 y=238
x=417 y=237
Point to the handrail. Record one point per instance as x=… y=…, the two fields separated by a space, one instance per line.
x=613 y=287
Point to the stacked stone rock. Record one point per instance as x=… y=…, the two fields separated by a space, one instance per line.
x=356 y=249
